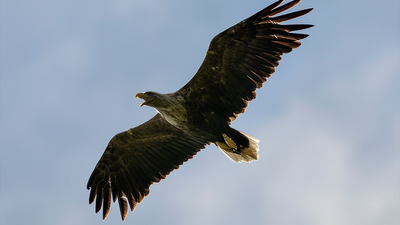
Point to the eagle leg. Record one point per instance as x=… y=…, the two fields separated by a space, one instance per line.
x=229 y=142
x=229 y=145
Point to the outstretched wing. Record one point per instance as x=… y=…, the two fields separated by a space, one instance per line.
x=135 y=159
x=240 y=59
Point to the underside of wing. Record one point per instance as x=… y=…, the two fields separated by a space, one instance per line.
x=240 y=59
x=135 y=159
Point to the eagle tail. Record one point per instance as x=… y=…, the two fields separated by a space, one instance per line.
x=246 y=154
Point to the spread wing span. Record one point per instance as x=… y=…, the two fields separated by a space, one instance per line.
x=239 y=60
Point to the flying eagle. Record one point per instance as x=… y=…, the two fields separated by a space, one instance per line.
x=238 y=61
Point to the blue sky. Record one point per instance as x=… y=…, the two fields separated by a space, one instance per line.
x=328 y=119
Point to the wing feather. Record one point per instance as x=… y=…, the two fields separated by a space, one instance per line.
x=282 y=8
x=240 y=59
x=135 y=159
x=107 y=200
x=123 y=207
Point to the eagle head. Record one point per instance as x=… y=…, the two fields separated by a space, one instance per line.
x=151 y=98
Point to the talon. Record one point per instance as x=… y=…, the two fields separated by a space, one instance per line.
x=230 y=142
x=234 y=150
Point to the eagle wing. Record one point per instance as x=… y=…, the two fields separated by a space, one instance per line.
x=240 y=59
x=135 y=159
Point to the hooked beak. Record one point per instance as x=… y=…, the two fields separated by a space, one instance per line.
x=142 y=96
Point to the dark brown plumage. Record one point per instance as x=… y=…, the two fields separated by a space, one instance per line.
x=238 y=61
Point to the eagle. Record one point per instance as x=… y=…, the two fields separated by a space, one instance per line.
x=238 y=61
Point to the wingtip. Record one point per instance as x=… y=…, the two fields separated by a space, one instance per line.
x=123 y=207
x=92 y=195
x=309 y=10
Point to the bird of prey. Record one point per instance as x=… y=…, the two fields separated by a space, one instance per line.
x=238 y=61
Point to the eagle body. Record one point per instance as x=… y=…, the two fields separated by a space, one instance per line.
x=202 y=123
x=238 y=61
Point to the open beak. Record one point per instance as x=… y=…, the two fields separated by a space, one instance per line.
x=141 y=95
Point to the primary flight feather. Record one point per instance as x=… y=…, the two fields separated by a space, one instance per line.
x=238 y=61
